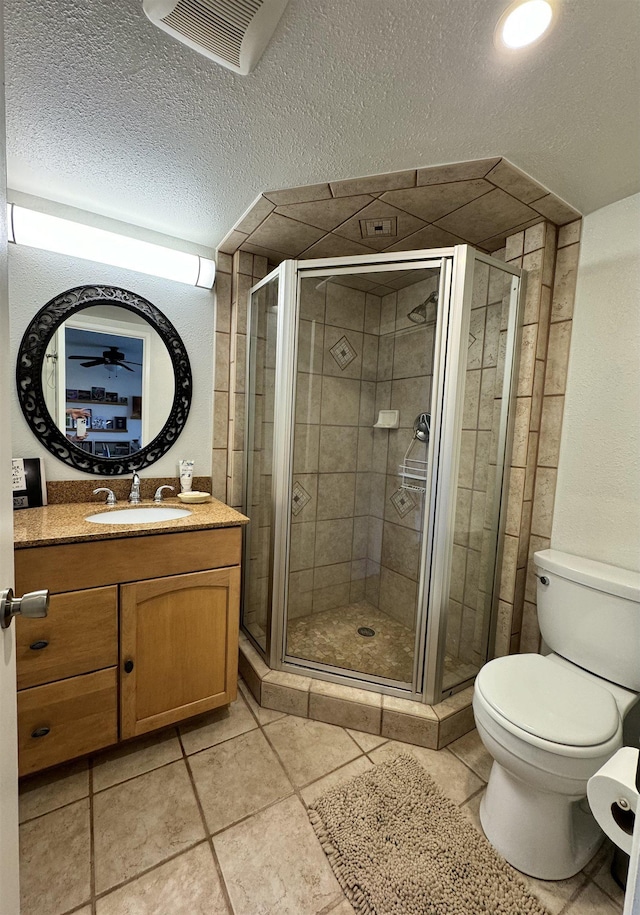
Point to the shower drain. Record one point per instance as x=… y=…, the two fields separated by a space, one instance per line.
x=366 y=631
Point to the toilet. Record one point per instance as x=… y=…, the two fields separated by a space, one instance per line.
x=550 y=721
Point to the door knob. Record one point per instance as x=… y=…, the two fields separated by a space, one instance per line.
x=33 y=605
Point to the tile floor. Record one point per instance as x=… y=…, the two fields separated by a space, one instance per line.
x=209 y=819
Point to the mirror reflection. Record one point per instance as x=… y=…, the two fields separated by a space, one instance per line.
x=108 y=381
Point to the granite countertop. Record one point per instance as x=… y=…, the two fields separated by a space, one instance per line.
x=65 y=523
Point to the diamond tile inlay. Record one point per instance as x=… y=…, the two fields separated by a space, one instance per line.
x=403 y=502
x=299 y=499
x=343 y=352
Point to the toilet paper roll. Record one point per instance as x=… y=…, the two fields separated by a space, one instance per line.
x=614 y=793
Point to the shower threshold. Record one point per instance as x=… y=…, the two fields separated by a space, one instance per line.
x=390 y=717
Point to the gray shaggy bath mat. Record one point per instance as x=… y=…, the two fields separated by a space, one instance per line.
x=398 y=846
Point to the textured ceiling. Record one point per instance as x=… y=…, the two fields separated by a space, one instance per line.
x=107 y=113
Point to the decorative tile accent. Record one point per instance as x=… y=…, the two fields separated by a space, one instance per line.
x=403 y=502
x=299 y=499
x=343 y=353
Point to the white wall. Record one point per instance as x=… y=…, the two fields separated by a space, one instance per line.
x=597 y=508
x=37 y=276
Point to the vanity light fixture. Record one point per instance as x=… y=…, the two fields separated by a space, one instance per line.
x=62 y=236
x=523 y=24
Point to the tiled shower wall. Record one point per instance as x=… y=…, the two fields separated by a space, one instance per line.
x=550 y=257
x=335 y=389
x=403 y=382
x=538 y=419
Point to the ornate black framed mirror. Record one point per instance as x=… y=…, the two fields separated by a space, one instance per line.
x=81 y=344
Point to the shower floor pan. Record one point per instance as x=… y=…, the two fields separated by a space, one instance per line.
x=332 y=637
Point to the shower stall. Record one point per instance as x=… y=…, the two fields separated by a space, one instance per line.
x=378 y=418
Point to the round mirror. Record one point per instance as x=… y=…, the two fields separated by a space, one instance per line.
x=104 y=380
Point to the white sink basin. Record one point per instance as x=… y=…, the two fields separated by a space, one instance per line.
x=144 y=515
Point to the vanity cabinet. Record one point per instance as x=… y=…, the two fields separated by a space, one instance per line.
x=142 y=632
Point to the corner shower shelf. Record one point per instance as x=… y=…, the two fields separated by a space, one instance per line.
x=413 y=472
x=414 y=468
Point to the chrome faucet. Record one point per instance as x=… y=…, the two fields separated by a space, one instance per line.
x=158 y=495
x=111 y=496
x=134 y=495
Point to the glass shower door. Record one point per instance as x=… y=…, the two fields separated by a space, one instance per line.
x=363 y=385
x=261 y=393
x=486 y=364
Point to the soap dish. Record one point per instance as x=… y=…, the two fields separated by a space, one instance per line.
x=194 y=496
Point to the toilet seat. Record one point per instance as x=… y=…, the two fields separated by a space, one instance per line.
x=531 y=695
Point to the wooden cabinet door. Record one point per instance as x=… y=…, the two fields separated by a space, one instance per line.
x=178 y=649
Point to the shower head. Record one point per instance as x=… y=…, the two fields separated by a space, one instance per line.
x=419 y=313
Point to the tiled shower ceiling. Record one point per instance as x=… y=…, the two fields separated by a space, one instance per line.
x=478 y=202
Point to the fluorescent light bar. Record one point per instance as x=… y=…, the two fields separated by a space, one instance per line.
x=38 y=230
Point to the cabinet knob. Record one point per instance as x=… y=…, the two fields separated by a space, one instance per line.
x=38 y=646
x=128 y=666
x=40 y=732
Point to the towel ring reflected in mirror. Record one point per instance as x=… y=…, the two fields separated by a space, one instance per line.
x=32 y=364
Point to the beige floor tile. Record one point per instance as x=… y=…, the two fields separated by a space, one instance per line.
x=455 y=779
x=263 y=715
x=603 y=879
x=471 y=809
x=186 y=885
x=143 y=821
x=605 y=852
x=237 y=778
x=310 y=749
x=343 y=908
x=471 y=751
x=43 y=793
x=55 y=864
x=220 y=725
x=339 y=777
x=365 y=741
x=135 y=758
x=273 y=863
x=592 y=901
x=554 y=894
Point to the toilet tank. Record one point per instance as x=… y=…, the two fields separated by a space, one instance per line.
x=589 y=613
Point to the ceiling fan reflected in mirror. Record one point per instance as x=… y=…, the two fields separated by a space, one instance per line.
x=111 y=357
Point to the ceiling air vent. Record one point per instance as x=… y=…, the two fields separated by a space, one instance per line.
x=383 y=228
x=234 y=33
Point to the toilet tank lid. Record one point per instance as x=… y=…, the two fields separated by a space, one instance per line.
x=549 y=701
x=598 y=575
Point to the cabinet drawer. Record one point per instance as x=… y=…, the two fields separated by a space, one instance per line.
x=80 y=715
x=80 y=632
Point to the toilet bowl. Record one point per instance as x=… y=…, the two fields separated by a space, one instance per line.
x=550 y=724
x=538 y=784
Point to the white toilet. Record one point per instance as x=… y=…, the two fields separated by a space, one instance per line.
x=551 y=721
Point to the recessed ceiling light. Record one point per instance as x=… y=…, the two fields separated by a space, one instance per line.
x=523 y=23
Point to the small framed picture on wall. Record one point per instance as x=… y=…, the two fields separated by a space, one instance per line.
x=120 y=423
